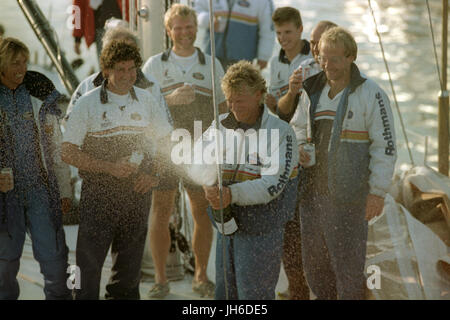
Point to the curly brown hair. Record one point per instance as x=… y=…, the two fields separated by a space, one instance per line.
x=117 y=51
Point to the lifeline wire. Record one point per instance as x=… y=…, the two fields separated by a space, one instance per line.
x=434 y=48
x=216 y=117
x=390 y=81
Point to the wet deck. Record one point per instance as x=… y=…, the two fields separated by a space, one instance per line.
x=31 y=280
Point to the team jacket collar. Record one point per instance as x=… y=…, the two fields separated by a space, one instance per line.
x=104 y=93
x=305 y=50
x=201 y=56
x=318 y=81
x=230 y=121
x=141 y=81
x=37 y=85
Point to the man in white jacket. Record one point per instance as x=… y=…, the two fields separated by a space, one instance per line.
x=348 y=118
x=260 y=187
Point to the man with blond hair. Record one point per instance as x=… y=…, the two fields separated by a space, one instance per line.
x=349 y=119
x=34 y=182
x=260 y=199
x=184 y=73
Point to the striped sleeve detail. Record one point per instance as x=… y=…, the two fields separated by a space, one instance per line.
x=355 y=136
x=243 y=18
x=117 y=130
x=172 y=87
x=242 y=176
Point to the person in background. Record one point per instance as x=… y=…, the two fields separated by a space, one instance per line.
x=284 y=77
x=294 y=51
x=243 y=29
x=349 y=120
x=184 y=73
x=118 y=32
x=288 y=102
x=34 y=183
x=105 y=138
x=92 y=17
x=260 y=195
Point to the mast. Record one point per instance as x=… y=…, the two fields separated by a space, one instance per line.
x=47 y=37
x=443 y=125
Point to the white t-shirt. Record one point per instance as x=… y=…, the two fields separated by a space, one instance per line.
x=184 y=63
x=326 y=108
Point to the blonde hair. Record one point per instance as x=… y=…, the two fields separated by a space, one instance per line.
x=336 y=37
x=178 y=10
x=243 y=76
x=10 y=48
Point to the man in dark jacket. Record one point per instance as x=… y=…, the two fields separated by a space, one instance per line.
x=33 y=179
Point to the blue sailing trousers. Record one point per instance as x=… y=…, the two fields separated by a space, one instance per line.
x=253 y=264
x=49 y=246
x=334 y=237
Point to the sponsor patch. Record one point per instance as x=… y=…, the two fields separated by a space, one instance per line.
x=198 y=76
x=136 y=117
x=244 y=3
x=350 y=114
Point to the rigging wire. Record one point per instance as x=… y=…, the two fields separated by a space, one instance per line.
x=216 y=117
x=441 y=83
x=391 y=83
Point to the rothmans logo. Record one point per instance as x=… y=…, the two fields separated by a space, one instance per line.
x=390 y=148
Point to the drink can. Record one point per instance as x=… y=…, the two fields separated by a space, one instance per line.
x=7 y=171
x=310 y=149
x=306 y=70
x=229 y=223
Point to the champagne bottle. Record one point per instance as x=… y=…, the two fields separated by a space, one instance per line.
x=229 y=222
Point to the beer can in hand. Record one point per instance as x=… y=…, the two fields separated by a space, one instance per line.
x=310 y=149
x=9 y=172
x=306 y=71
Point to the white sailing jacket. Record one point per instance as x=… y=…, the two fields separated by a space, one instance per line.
x=259 y=170
x=366 y=156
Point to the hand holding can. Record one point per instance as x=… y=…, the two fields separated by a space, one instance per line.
x=307 y=155
x=306 y=70
x=6 y=180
